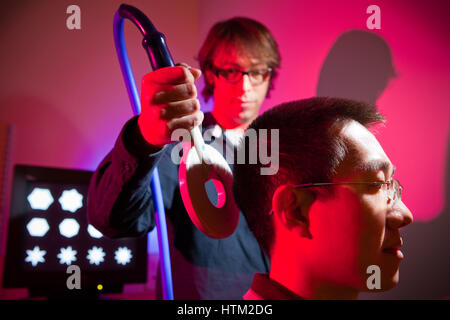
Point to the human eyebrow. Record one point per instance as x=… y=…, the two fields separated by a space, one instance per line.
x=237 y=66
x=258 y=64
x=374 y=166
x=231 y=65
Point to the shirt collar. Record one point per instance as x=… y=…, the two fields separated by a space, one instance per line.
x=270 y=289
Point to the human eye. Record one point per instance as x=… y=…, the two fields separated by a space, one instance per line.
x=223 y=72
x=376 y=185
x=259 y=72
x=231 y=74
x=257 y=75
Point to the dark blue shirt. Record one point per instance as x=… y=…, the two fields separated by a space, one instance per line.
x=120 y=204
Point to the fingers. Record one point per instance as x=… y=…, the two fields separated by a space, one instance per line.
x=180 y=109
x=174 y=93
x=195 y=72
x=187 y=122
x=170 y=84
x=172 y=75
x=168 y=102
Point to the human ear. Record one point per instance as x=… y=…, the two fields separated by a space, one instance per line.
x=292 y=206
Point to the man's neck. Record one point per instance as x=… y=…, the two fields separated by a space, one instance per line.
x=303 y=283
x=228 y=125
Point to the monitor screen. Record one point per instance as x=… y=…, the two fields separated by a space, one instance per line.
x=48 y=232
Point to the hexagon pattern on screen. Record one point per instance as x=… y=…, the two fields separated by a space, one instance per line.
x=69 y=227
x=40 y=199
x=71 y=200
x=38 y=227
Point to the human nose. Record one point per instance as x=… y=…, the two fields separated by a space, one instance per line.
x=399 y=216
x=245 y=83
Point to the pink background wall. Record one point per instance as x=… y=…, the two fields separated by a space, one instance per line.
x=416 y=104
x=63 y=90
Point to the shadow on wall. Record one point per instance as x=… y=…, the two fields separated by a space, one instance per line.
x=43 y=136
x=359 y=66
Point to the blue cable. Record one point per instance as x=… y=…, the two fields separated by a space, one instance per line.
x=160 y=216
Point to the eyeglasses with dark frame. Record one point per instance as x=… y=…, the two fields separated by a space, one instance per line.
x=393 y=188
x=234 y=75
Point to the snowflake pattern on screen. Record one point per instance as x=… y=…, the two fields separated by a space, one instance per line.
x=67 y=255
x=123 y=255
x=96 y=255
x=35 y=256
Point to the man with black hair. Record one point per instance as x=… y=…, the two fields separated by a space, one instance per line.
x=331 y=214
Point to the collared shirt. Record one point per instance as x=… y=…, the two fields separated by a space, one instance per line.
x=120 y=204
x=265 y=288
x=224 y=141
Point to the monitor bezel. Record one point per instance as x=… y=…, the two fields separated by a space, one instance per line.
x=15 y=277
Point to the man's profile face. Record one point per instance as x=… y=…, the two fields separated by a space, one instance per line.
x=358 y=226
x=237 y=104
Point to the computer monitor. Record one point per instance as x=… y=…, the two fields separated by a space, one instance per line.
x=48 y=231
